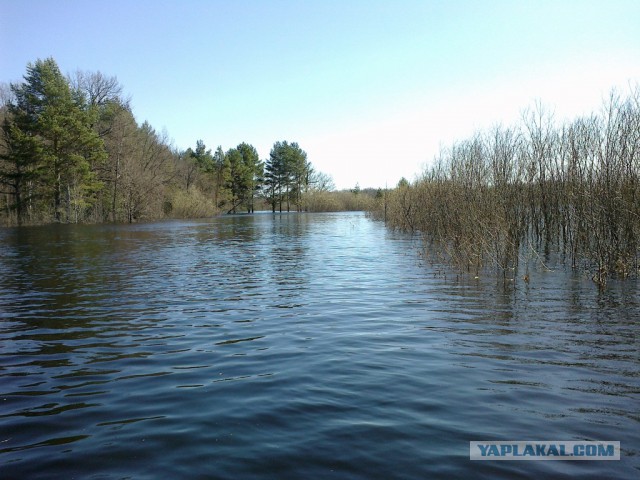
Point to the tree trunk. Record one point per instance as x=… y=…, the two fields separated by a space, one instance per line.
x=57 y=198
x=18 y=195
x=115 y=188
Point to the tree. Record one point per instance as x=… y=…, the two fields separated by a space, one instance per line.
x=52 y=124
x=103 y=97
x=111 y=118
x=195 y=162
x=203 y=157
x=275 y=178
x=287 y=175
x=221 y=175
x=243 y=172
x=18 y=165
x=300 y=171
x=97 y=88
x=402 y=183
x=254 y=170
x=121 y=146
x=188 y=167
x=145 y=173
x=238 y=180
x=321 y=182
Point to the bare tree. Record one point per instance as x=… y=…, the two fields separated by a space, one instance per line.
x=497 y=198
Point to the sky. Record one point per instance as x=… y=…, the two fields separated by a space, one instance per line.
x=371 y=90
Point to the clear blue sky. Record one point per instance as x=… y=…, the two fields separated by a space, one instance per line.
x=370 y=89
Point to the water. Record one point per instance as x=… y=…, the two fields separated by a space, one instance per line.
x=297 y=346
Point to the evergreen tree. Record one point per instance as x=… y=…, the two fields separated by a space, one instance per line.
x=196 y=162
x=203 y=157
x=300 y=171
x=52 y=123
x=18 y=165
x=221 y=175
x=253 y=172
x=276 y=175
x=237 y=182
x=286 y=175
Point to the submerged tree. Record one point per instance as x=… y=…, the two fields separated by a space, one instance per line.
x=72 y=150
x=509 y=196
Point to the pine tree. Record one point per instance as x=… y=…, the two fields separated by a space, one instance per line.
x=276 y=180
x=286 y=175
x=237 y=182
x=55 y=127
x=254 y=169
x=221 y=175
x=18 y=165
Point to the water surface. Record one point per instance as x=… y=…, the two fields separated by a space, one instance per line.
x=297 y=346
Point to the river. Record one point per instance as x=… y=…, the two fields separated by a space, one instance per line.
x=315 y=346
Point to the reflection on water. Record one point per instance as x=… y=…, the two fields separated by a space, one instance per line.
x=297 y=346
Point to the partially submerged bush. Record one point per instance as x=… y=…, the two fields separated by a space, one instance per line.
x=503 y=196
x=190 y=203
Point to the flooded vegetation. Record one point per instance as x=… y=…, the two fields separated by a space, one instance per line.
x=71 y=151
x=219 y=265
x=514 y=195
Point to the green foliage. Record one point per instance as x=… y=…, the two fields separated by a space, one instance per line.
x=253 y=174
x=238 y=182
x=71 y=150
x=287 y=175
x=18 y=166
x=232 y=178
x=203 y=157
x=50 y=145
x=221 y=176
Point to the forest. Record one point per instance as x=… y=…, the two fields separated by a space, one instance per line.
x=538 y=192
x=71 y=151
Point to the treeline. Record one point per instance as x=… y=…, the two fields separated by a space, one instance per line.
x=533 y=191
x=72 y=151
x=355 y=199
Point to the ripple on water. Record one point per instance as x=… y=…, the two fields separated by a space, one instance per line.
x=297 y=346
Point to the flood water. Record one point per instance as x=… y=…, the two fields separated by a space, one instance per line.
x=299 y=346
